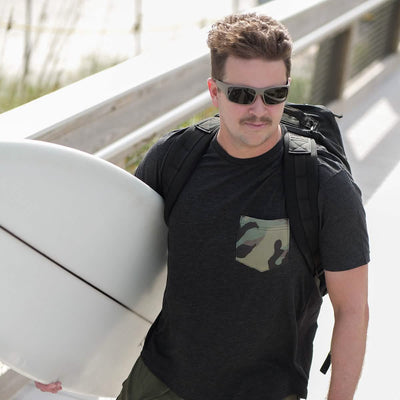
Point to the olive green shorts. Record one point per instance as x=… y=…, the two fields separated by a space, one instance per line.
x=142 y=384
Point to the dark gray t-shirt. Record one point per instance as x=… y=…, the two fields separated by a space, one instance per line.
x=240 y=307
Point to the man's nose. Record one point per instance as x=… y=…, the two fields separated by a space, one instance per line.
x=258 y=107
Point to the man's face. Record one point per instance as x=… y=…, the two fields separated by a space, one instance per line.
x=249 y=130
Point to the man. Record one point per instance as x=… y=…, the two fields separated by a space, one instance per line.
x=237 y=321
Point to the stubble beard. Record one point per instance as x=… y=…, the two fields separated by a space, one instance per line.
x=263 y=139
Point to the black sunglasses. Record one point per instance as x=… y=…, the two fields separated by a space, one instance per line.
x=247 y=94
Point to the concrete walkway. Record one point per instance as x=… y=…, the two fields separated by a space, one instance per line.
x=371 y=128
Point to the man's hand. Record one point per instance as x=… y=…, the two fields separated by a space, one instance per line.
x=53 y=387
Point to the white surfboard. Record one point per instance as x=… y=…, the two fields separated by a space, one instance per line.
x=82 y=266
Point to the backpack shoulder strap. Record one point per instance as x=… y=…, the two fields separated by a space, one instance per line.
x=185 y=152
x=301 y=181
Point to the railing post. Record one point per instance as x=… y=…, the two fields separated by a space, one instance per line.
x=332 y=66
x=341 y=63
x=395 y=31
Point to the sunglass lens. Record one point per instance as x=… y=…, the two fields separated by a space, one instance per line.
x=241 y=95
x=276 y=95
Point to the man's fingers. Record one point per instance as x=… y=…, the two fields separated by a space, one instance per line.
x=53 y=387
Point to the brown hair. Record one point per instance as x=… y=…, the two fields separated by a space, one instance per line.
x=248 y=36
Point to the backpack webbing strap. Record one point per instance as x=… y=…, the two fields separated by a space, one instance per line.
x=301 y=192
x=182 y=158
x=326 y=364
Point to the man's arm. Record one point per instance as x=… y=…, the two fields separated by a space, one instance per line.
x=348 y=292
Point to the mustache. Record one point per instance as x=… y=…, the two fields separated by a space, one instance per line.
x=254 y=120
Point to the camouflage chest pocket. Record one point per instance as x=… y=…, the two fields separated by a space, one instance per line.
x=262 y=244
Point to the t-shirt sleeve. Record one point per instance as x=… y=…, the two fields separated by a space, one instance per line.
x=343 y=237
x=149 y=169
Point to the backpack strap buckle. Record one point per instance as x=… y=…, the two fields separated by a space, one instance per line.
x=299 y=144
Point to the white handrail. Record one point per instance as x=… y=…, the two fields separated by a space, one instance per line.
x=156 y=126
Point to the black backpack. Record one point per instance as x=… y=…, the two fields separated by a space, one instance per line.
x=305 y=128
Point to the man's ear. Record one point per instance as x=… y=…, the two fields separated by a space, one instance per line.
x=212 y=88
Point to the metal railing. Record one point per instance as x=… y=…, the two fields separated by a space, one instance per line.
x=109 y=114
